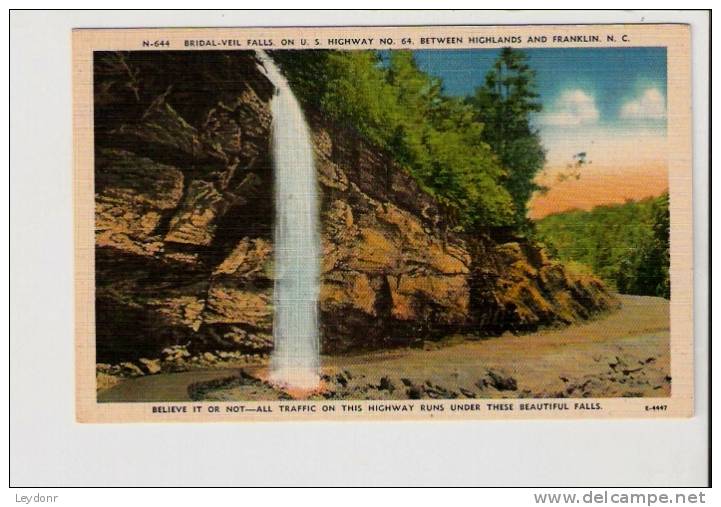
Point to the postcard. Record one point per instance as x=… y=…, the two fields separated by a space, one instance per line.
x=383 y=223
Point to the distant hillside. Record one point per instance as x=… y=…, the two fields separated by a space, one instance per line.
x=627 y=245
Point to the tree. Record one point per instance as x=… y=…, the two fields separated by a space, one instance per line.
x=653 y=254
x=625 y=244
x=504 y=104
x=396 y=106
x=441 y=140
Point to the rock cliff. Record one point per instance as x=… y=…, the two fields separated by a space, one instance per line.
x=184 y=217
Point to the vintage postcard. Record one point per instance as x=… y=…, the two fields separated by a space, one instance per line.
x=389 y=223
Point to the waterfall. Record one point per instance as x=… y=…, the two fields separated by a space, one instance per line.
x=295 y=361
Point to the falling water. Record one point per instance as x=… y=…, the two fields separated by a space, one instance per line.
x=295 y=362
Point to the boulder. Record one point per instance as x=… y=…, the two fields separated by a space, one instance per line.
x=151 y=366
x=129 y=369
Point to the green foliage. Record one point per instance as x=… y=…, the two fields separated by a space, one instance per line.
x=399 y=108
x=627 y=245
x=505 y=104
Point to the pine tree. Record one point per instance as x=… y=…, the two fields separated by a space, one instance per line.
x=505 y=104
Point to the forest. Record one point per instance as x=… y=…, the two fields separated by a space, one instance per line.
x=477 y=154
x=625 y=244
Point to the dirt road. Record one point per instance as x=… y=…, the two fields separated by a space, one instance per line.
x=625 y=353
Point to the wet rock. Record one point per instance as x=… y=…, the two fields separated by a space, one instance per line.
x=501 y=381
x=341 y=379
x=175 y=352
x=414 y=393
x=151 y=366
x=129 y=369
x=386 y=384
x=103 y=367
x=467 y=392
x=437 y=391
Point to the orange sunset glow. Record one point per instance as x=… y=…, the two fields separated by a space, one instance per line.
x=598 y=186
x=619 y=164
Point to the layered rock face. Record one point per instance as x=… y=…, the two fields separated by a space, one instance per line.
x=184 y=202
x=184 y=218
x=395 y=272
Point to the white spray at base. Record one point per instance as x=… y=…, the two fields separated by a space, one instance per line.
x=295 y=361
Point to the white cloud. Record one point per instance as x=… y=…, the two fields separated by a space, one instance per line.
x=651 y=105
x=572 y=108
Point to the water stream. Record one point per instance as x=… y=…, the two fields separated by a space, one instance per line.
x=295 y=361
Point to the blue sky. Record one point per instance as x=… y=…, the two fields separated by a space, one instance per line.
x=604 y=101
x=611 y=78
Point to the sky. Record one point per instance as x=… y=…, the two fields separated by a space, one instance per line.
x=607 y=102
